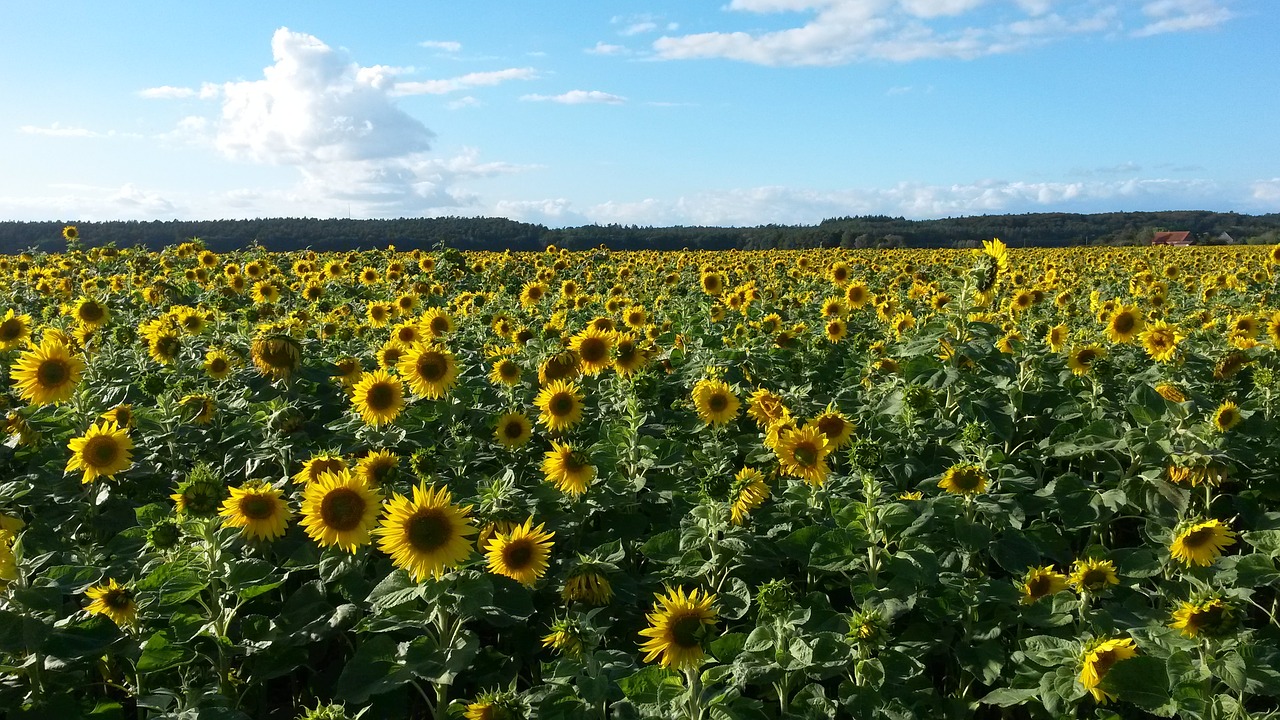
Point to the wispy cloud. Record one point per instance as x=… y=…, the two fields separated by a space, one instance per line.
x=206 y=91
x=448 y=46
x=579 y=97
x=604 y=48
x=58 y=130
x=1168 y=16
x=462 y=82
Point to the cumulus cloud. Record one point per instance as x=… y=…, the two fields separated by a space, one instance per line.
x=578 y=97
x=1267 y=192
x=462 y=82
x=206 y=91
x=838 y=32
x=555 y=212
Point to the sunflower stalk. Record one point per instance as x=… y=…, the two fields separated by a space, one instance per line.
x=694 y=682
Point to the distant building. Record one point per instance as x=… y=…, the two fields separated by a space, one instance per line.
x=1171 y=238
x=1226 y=239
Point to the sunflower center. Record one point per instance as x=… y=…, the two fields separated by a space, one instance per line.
x=685 y=631
x=428 y=530
x=342 y=509
x=167 y=346
x=257 y=507
x=508 y=370
x=381 y=397
x=431 y=367
x=119 y=599
x=717 y=402
x=1094 y=578
x=377 y=313
x=1038 y=586
x=806 y=455
x=518 y=555
x=278 y=354
x=407 y=335
x=101 y=451
x=832 y=427
x=1123 y=323
x=1197 y=539
x=11 y=329
x=574 y=462
x=91 y=312
x=1086 y=357
x=53 y=373
x=1105 y=659
x=561 y=404
x=439 y=325
x=593 y=350
x=217 y=365
x=513 y=429
x=967 y=479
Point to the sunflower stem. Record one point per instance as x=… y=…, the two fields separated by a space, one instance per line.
x=694 y=681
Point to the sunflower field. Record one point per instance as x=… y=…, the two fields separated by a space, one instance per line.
x=778 y=484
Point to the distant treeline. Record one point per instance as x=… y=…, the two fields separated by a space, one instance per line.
x=465 y=233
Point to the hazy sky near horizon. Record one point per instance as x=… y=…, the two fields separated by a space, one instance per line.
x=668 y=112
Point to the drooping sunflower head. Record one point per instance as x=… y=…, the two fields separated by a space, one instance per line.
x=378 y=397
x=587 y=584
x=1092 y=575
x=427 y=534
x=1210 y=617
x=964 y=479
x=103 y=451
x=566 y=636
x=258 y=509
x=523 y=554
x=197 y=408
x=560 y=404
x=48 y=373
x=276 y=355
x=1201 y=543
x=715 y=402
x=114 y=601
x=1171 y=392
x=749 y=492
x=766 y=407
x=339 y=509
x=1098 y=658
x=678 y=626
x=1041 y=582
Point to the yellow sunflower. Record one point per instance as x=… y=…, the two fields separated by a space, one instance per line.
x=113 y=600
x=748 y=493
x=766 y=408
x=426 y=535
x=1160 y=339
x=964 y=479
x=437 y=322
x=276 y=355
x=376 y=467
x=560 y=404
x=1093 y=575
x=505 y=371
x=803 y=454
x=568 y=469
x=1057 y=337
x=47 y=374
x=1202 y=543
x=715 y=402
x=1041 y=582
x=258 y=509
x=121 y=415
x=91 y=312
x=14 y=330
x=319 y=464
x=1125 y=324
x=102 y=451
x=1084 y=357
x=837 y=428
x=340 y=509
x=523 y=554
x=430 y=370
x=513 y=430
x=594 y=349
x=378 y=397
x=585 y=584
x=1226 y=416
x=1171 y=392
x=1210 y=617
x=677 y=628
x=217 y=364
x=1098 y=658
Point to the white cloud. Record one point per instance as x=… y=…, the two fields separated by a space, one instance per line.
x=837 y=32
x=579 y=97
x=554 y=212
x=206 y=91
x=462 y=102
x=604 y=48
x=58 y=130
x=1267 y=192
x=449 y=46
x=1181 y=15
x=639 y=28
x=90 y=203
x=462 y=82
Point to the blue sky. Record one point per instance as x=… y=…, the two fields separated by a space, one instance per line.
x=739 y=112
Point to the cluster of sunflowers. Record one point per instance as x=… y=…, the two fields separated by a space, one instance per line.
x=734 y=485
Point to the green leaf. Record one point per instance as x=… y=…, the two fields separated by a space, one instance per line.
x=1008 y=697
x=1142 y=680
x=173 y=583
x=1266 y=541
x=395 y=589
x=726 y=647
x=1230 y=668
x=372 y=670
x=159 y=653
x=654 y=685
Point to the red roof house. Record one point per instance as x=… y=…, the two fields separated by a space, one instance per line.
x=1171 y=238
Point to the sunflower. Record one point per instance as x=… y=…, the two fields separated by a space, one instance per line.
x=715 y=402
x=1211 y=617
x=376 y=467
x=70 y=232
x=628 y=354
x=1171 y=392
x=1160 y=339
x=513 y=430
x=566 y=637
x=201 y=493
x=1098 y=658
x=122 y=415
x=1202 y=543
x=749 y=492
x=276 y=355
x=836 y=329
x=91 y=312
x=8 y=561
x=1056 y=338
x=14 y=330
x=677 y=627
x=964 y=479
x=1124 y=324
x=1041 y=582
x=407 y=333
x=102 y=451
x=766 y=408
x=379 y=313
x=803 y=454
x=835 y=426
x=431 y=371
x=1082 y=358
x=258 y=509
x=495 y=705
x=426 y=535
x=218 y=364
x=318 y=465
x=1226 y=416
x=588 y=585
x=568 y=469
x=1093 y=575
x=47 y=374
x=197 y=408
x=113 y=600
x=437 y=322
x=164 y=345
x=560 y=404
x=521 y=554
x=378 y=397
x=505 y=371
x=594 y=349
x=340 y=509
